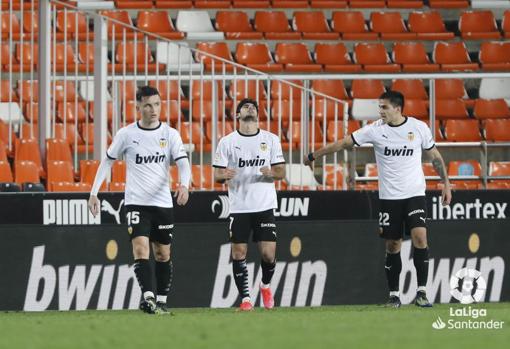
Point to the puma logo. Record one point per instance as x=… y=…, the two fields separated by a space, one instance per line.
x=106 y=206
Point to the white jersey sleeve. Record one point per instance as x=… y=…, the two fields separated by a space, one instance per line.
x=221 y=156
x=276 y=152
x=118 y=146
x=426 y=136
x=176 y=147
x=363 y=135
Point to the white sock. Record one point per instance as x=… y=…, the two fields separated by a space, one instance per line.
x=263 y=285
x=395 y=293
x=422 y=289
x=246 y=299
x=161 y=299
x=148 y=294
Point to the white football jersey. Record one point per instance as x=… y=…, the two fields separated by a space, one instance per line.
x=249 y=190
x=398 y=152
x=147 y=153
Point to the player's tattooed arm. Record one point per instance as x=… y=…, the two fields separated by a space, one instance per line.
x=439 y=165
x=221 y=175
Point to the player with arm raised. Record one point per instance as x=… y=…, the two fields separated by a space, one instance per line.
x=147 y=146
x=249 y=160
x=398 y=143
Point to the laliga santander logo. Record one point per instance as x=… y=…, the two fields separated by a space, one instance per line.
x=468 y=286
x=224 y=204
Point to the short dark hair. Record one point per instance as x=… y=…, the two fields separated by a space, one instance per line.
x=395 y=98
x=246 y=101
x=146 y=91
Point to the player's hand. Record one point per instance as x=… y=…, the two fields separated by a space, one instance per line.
x=94 y=205
x=446 y=195
x=228 y=173
x=266 y=171
x=182 y=195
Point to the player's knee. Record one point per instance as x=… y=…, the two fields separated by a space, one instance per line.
x=393 y=246
x=140 y=251
x=268 y=256
x=420 y=242
x=162 y=255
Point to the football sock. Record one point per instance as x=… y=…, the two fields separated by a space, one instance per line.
x=164 y=272
x=143 y=275
x=421 y=263
x=267 y=271
x=393 y=267
x=241 y=277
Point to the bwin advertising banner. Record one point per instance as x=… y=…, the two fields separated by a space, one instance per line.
x=318 y=263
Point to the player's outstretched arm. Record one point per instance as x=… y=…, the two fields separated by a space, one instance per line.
x=102 y=172
x=346 y=143
x=221 y=175
x=182 y=192
x=440 y=167
x=276 y=172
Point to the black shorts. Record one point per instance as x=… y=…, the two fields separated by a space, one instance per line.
x=157 y=223
x=261 y=223
x=398 y=217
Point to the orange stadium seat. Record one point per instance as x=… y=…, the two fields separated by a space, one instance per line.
x=58 y=149
x=7 y=93
x=29 y=130
x=212 y=4
x=8 y=61
x=117 y=186
x=335 y=58
x=119 y=171
x=66 y=60
x=247 y=89
x=390 y=26
x=289 y=3
x=170 y=111
x=196 y=136
x=64 y=91
x=285 y=91
x=71 y=187
x=453 y=56
x=374 y=58
x=449 y=3
x=222 y=129
x=416 y=108
x=497 y=130
x=204 y=109
x=286 y=110
x=256 y=56
x=86 y=131
x=462 y=130
x=295 y=57
x=327 y=109
x=27 y=55
x=133 y=4
x=351 y=25
x=67 y=133
x=428 y=170
x=5 y=172
x=505 y=24
x=495 y=56
x=438 y=135
x=168 y=89
x=428 y=26
x=219 y=49
x=28 y=149
x=126 y=90
x=335 y=130
x=10 y=27
x=59 y=171
x=367 y=89
x=333 y=88
x=180 y=4
x=491 y=109
x=465 y=168
x=71 y=111
x=413 y=57
x=315 y=136
x=3 y=151
x=26 y=172
x=500 y=168
x=202 y=177
x=204 y=90
x=410 y=88
x=158 y=22
x=251 y=4
x=313 y=25
x=451 y=109
x=74 y=24
x=478 y=25
x=404 y=4
x=274 y=25
x=88 y=169
x=236 y=25
x=328 y=4
x=452 y=89
x=366 y=3
x=118 y=30
x=126 y=54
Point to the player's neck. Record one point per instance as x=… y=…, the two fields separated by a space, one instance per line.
x=248 y=127
x=148 y=124
x=397 y=121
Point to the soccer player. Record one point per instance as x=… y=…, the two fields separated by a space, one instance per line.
x=249 y=160
x=147 y=146
x=398 y=142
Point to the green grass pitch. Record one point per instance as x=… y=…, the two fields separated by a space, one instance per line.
x=362 y=326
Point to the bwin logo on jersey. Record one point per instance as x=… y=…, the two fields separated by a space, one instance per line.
x=224 y=204
x=149 y=158
x=251 y=162
x=398 y=152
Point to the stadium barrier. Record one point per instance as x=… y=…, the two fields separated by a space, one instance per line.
x=327 y=261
